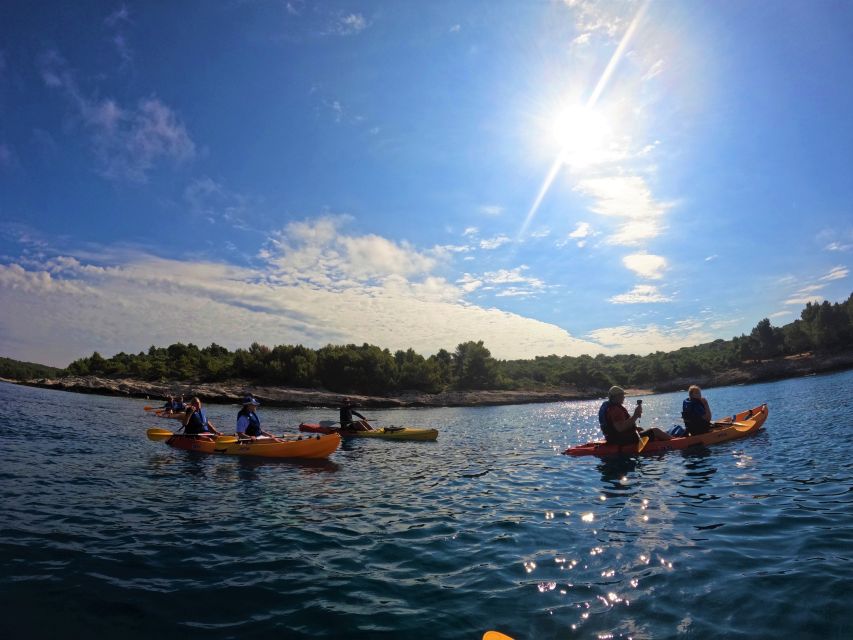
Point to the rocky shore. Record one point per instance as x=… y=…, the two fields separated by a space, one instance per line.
x=229 y=392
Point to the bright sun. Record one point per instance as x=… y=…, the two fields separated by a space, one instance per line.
x=582 y=134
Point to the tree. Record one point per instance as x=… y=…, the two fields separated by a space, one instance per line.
x=473 y=366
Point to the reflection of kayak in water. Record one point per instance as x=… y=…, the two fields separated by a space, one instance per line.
x=383 y=433
x=319 y=446
x=741 y=425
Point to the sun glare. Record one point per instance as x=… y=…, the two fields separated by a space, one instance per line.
x=582 y=135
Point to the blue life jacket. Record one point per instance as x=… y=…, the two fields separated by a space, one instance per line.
x=197 y=422
x=254 y=428
x=692 y=407
x=602 y=416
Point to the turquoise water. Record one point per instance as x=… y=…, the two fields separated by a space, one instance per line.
x=104 y=533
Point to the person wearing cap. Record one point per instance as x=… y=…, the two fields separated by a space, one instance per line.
x=196 y=422
x=346 y=414
x=620 y=427
x=248 y=422
x=169 y=406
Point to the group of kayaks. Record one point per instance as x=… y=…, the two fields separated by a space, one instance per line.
x=321 y=441
x=324 y=438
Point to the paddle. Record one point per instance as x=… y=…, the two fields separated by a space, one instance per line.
x=158 y=435
x=644 y=440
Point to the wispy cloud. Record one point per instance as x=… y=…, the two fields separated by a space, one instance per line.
x=456 y=28
x=491 y=209
x=711 y=258
x=838 y=246
x=641 y=293
x=643 y=340
x=8 y=158
x=490 y=244
x=117 y=21
x=836 y=273
x=581 y=234
x=128 y=141
x=470 y=231
x=348 y=24
x=653 y=71
x=211 y=200
x=646 y=265
x=629 y=199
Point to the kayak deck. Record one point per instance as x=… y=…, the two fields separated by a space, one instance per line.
x=382 y=433
x=742 y=425
x=320 y=446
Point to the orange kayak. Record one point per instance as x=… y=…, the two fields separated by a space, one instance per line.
x=742 y=424
x=321 y=446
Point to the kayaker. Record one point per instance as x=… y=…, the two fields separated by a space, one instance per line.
x=346 y=413
x=696 y=412
x=169 y=406
x=196 y=422
x=248 y=422
x=620 y=427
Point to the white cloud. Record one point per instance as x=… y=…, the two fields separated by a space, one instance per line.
x=630 y=199
x=349 y=24
x=316 y=284
x=211 y=200
x=583 y=230
x=456 y=28
x=838 y=246
x=494 y=243
x=780 y=314
x=541 y=232
x=470 y=231
x=836 y=273
x=646 y=265
x=650 y=338
x=128 y=142
x=654 y=70
x=711 y=258
x=491 y=209
x=641 y=293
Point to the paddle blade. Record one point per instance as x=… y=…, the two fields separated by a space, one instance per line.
x=158 y=435
x=149 y=408
x=643 y=442
x=225 y=439
x=495 y=635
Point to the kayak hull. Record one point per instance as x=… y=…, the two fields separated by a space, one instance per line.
x=321 y=446
x=744 y=424
x=381 y=433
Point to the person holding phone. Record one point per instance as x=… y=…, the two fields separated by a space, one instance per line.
x=619 y=426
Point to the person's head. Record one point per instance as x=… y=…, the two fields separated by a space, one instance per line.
x=346 y=401
x=694 y=392
x=249 y=403
x=616 y=394
x=195 y=402
x=170 y=398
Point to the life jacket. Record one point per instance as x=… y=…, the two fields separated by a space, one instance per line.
x=693 y=412
x=607 y=428
x=197 y=422
x=254 y=428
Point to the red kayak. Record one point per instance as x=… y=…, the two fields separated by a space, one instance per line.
x=741 y=425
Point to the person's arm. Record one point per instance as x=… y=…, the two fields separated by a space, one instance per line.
x=212 y=428
x=242 y=425
x=707 y=415
x=356 y=413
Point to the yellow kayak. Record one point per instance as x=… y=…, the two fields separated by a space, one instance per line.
x=382 y=433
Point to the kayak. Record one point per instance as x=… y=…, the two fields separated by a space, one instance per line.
x=320 y=446
x=742 y=424
x=382 y=433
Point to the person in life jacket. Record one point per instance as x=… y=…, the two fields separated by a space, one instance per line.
x=248 y=422
x=196 y=422
x=620 y=427
x=170 y=404
x=346 y=414
x=696 y=412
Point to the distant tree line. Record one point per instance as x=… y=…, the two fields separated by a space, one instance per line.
x=370 y=369
x=17 y=370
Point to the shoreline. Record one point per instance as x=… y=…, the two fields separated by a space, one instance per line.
x=228 y=392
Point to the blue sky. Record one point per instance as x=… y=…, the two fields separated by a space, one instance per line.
x=550 y=177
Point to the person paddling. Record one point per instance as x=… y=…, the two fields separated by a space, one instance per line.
x=196 y=422
x=346 y=413
x=169 y=406
x=696 y=412
x=620 y=427
x=248 y=422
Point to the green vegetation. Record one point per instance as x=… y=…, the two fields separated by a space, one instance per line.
x=370 y=369
x=17 y=370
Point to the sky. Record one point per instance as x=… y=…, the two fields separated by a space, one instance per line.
x=551 y=177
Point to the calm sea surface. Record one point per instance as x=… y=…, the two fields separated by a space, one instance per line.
x=106 y=534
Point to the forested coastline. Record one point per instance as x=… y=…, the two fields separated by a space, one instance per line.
x=368 y=369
